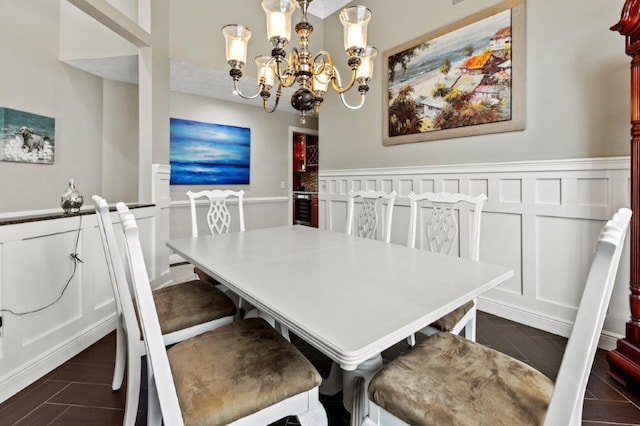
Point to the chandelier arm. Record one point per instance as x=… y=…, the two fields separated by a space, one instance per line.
x=328 y=62
x=351 y=107
x=275 y=105
x=237 y=90
x=337 y=85
x=286 y=78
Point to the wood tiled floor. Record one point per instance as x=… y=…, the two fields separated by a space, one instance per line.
x=79 y=392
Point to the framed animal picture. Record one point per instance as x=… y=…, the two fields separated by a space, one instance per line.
x=26 y=137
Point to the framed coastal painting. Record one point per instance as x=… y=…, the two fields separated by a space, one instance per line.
x=26 y=137
x=208 y=154
x=464 y=79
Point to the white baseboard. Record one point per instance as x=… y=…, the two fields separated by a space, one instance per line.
x=20 y=378
x=163 y=280
x=608 y=340
x=556 y=326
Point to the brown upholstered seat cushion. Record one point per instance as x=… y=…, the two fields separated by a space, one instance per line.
x=237 y=370
x=447 y=322
x=448 y=380
x=191 y=303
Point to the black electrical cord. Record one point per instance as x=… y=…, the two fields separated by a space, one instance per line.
x=74 y=257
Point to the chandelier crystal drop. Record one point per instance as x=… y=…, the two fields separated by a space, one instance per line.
x=312 y=73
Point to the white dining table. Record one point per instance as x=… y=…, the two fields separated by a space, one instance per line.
x=349 y=297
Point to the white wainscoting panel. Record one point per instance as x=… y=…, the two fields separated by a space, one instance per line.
x=35 y=266
x=542 y=218
x=160 y=274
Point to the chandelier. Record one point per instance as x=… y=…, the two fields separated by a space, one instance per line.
x=312 y=73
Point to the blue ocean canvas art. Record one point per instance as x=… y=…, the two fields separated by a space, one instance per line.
x=26 y=137
x=208 y=154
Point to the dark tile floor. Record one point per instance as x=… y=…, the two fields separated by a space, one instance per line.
x=79 y=391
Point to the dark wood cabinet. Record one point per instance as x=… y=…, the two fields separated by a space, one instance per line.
x=305 y=179
x=624 y=360
x=305 y=153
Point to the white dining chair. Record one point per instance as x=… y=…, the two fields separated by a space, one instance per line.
x=218 y=216
x=244 y=373
x=449 y=380
x=364 y=222
x=433 y=226
x=219 y=221
x=185 y=310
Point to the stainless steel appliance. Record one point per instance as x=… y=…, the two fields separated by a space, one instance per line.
x=302 y=208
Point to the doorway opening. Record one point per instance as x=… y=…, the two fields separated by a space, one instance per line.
x=304 y=158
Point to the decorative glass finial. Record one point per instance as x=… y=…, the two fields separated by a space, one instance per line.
x=71 y=200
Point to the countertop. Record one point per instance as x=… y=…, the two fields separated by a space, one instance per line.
x=48 y=216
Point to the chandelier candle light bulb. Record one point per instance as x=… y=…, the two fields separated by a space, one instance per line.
x=365 y=71
x=312 y=73
x=266 y=73
x=354 y=38
x=278 y=26
x=236 y=38
x=355 y=20
x=238 y=51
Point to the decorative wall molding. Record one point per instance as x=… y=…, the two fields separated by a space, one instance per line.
x=246 y=200
x=602 y=163
x=35 y=265
x=542 y=218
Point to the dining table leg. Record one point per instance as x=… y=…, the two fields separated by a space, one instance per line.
x=354 y=388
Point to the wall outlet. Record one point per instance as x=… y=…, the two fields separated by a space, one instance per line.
x=283 y=185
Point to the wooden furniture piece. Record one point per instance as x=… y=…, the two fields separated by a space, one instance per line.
x=364 y=223
x=244 y=373
x=624 y=361
x=305 y=154
x=185 y=310
x=439 y=232
x=333 y=291
x=447 y=379
x=305 y=179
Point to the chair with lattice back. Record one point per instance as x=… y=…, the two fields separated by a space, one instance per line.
x=218 y=216
x=433 y=226
x=364 y=222
x=448 y=379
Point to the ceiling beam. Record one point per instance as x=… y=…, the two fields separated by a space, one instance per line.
x=116 y=21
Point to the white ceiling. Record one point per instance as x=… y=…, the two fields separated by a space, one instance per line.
x=324 y=8
x=197 y=80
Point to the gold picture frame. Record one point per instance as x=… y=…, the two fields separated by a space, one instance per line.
x=464 y=79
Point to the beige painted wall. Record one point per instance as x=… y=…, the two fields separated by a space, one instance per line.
x=577 y=88
x=33 y=80
x=269 y=156
x=97 y=41
x=120 y=142
x=196 y=36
